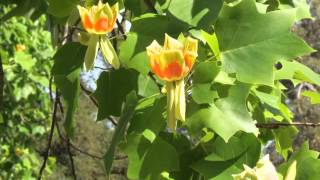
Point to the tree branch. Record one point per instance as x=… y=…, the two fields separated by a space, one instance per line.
x=71 y=159
x=46 y=155
x=278 y=125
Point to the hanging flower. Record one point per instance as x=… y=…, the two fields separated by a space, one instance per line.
x=98 y=20
x=172 y=63
x=264 y=170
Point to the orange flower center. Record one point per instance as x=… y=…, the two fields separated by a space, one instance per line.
x=101 y=24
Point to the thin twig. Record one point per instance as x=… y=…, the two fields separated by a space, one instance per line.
x=121 y=29
x=155 y=81
x=101 y=68
x=46 y=155
x=67 y=140
x=74 y=147
x=88 y=93
x=71 y=159
x=278 y=125
x=50 y=88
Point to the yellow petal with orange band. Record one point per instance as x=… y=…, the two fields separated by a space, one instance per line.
x=171 y=43
x=99 y=19
x=190 y=52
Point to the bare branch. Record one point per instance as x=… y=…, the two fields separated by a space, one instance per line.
x=46 y=155
x=278 y=125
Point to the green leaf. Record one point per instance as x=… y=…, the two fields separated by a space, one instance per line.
x=205 y=72
x=308 y=164
x=133 y=53
x=251 y=49
x=126 y=116
x=226 y=159
x=149 y=115
x=296 y=70
x=213 y=43
x=146 y=86
x=204 y=93
x=112 y=89
x=68 y=58
x=66 y=70
x=147 y=160
x=314 y=96
x=25 y=60
x=284 y=138
x=226 y=116
x=196 y=13
x=61 y=8
x=302 y=6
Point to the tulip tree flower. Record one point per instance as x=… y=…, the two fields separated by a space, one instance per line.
x=264 y=170
x=172 y=63
x=98 y=20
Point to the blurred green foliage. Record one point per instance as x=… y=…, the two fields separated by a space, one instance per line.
x=26 y=53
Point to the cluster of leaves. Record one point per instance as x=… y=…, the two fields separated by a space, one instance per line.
x=245 y=50
x=26 y=55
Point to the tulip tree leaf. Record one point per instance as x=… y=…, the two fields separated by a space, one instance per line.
x=226 y=116
x=203 y=91
x=66 y=70
x=147 y=160
x=251 y=49
x=126 y=116
x=226 y=159
x=147 y=86
x=298 y=71
x=133 y=53
x=284 y=138
x=308 y=163
x=112 y=89
x=149 y=115
x=197 y=13
x=61 y=8
x=314 y=96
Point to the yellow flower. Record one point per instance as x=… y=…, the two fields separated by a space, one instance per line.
x=99 y=19
x=175 y=59
x=264 y=170
x=172 y=63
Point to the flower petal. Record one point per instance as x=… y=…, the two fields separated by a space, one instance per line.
x=91 y=52
x=190 y=51
x=109 y=53
x=172 y=64
x=180 y=100
x=171 y=43
x=86 y=19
